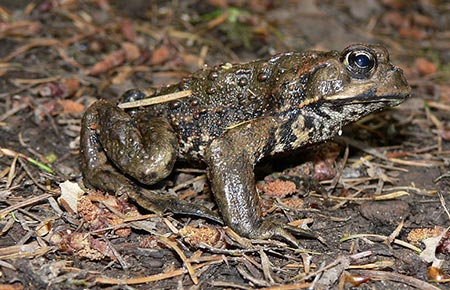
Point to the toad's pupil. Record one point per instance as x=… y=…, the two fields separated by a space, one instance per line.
x=362 y=60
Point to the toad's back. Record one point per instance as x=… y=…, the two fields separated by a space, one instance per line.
x=226 y=95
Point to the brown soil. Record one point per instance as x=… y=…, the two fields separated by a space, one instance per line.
x=384 y=205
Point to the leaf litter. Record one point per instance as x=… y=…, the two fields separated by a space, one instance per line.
x=60 y=56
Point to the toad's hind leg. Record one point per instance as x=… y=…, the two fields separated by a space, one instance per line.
x=110 y=134
x=112 y=144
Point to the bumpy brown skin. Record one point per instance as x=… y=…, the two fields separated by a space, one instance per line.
x=235 y=116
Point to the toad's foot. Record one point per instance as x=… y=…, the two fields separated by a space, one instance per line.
x=269 y=229
x=159 y=203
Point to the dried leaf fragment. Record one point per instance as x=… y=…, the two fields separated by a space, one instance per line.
x=109 y=62
x=73 y=107
x=356 y=280
x=82 y=245
x=280 y=188
x=20 y=28
x=70 y=195
x=62 y=88
x=203 y=234
x=436 y=274
x=94 y=209
x=416 y=236
x=425 y=67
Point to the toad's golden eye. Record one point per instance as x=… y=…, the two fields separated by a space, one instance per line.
x=360 y=63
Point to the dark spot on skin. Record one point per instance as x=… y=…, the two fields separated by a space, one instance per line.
x=271 y=142
x=263 y=76
x=291 y=139
x=215 y=130
x=242 y=102
x=196 y=142
x=338 y=109
x=308 y=121
x=150 y=176
x=243 y=82
x=210 y=90
x=287 y=147
x=182 y=84
x=220 y=110
x=174 y=105
x=194 y=102
x=286 y=135
x=316 y=108
x=304 y=79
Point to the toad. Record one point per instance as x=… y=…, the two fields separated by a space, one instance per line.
x=232 y=117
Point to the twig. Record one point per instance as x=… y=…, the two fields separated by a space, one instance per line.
x=340 y=170
x=421 y=163
x=383 y=238
x=24 y=203
x=12 y=153
x=156 y=100
x=152 y=278
x=189 y=182
x=182 y=256
x=13 y=111
x=387 y=196
x=442 y=200
x=392 y=276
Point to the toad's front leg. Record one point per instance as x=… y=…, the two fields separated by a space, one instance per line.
x=231 y=160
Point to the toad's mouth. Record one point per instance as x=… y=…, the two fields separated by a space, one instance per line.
x=370 y=96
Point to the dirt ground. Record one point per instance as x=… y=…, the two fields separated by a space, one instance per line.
x=384 y=213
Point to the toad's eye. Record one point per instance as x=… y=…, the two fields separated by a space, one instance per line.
x=360 y=63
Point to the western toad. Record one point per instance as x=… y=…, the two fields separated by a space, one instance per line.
x=234 y=116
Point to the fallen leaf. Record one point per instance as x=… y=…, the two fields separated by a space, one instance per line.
x=161 y=55
x=131 y=50
x=20 y=28
x=204 y=234
x=70 y=195
x=70 y=106
x=81 y=245
x=94 y=213
x=416 y=236
x=412 y=33
x=436 y=274
x=431 y=244
x=110 y=61
x=424 y=66
x=128 y=30
x=279 y=188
